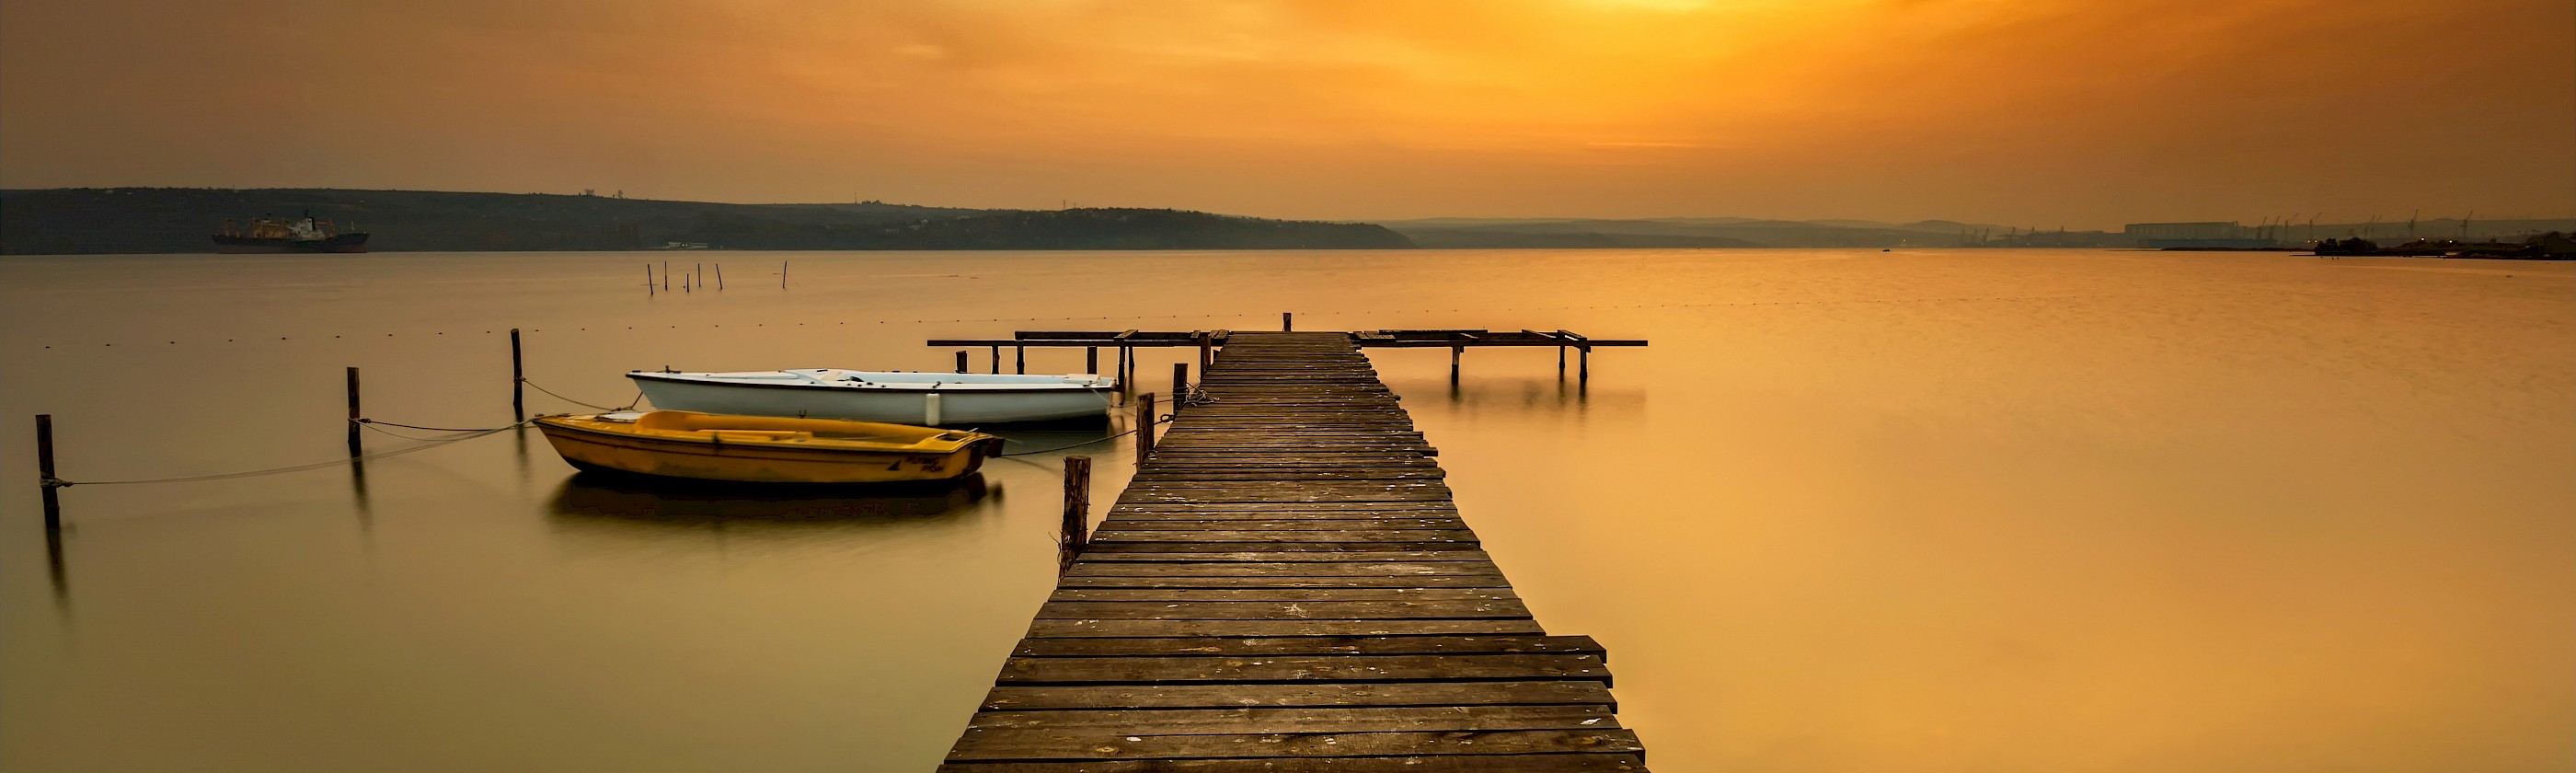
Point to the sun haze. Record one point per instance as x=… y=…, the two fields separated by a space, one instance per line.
x=2050 y=112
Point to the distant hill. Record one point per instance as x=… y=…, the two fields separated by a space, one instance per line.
x=1681 y=232
x=178 y=220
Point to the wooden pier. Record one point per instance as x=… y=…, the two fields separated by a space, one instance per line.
x=1287 y=587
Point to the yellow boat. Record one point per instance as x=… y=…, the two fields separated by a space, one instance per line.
x=765 y=449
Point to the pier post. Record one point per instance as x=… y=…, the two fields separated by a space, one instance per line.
x=995 y=356
x=1020 y=360
x=1207 y=352
x=1180 y=385
x=518 y=380
x=1077 y=508
x=1091 y=360
x=1455 y=351
x=354 y=448
x=1287 y=322
x=45 y=471
x=961 y=360
x=648 y=278
x=1144 y=427
x=1125 y=354
x=666 y=275
x=719 y=276
x=1585 y=377
x=1560 y=362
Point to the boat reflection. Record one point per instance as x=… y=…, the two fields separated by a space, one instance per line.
x=599 y=497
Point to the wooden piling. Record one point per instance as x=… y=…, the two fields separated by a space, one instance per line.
x=1207 y=352
x=719 y=276
x=782 y=275
x=355 y=448
x=1287 y=322
x=1180 y=385
x=666 y=275
x=1091 y=360
x=1020 y=360
x=1144 y=427
x=1455 y=353
x=648 y=277
x=518 y=381
x=1586 y=375
x=1077 y=505
x=961 y=360
x=45 y=471
x=996 y=359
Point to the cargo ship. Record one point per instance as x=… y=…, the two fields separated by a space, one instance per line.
x=265 y=235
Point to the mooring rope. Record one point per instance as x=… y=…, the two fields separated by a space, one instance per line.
x=1095 y=441
x=630 y=405
x=60 y=483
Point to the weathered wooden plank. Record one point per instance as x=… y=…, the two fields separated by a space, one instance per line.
x=1283 y=581
x=1166 y=629
x=1285 y=535
x=1305 y=668
x=1221 y=646
x=1284 y=610
x=1533 y=763
x=1363 y=719
x=1101 y=745
x=1282 y=569
x=1218 y=696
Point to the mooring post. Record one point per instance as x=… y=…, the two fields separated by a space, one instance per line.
x=1144 y=427
x=995 y=359
x=354 y=449
x=1125 y=354
x=1020 y=359
x=666 y=275
x=1585 y=377
x=648 y=278
x=719 y=276
x=1287 y=322
x=782 y=275
x=1091 y=360
x=1455 y=351
x=518 y=381
x=1207 y=353
x=45 y=471
x=1180 y=385
x=1077 y=505
x=1560 y=362
x=961 y=360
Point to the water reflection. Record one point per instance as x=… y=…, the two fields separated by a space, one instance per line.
x=620 y=500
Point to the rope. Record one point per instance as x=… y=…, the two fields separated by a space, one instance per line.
x=630 y=405
x=1163 y=420
x=432 y=429
x=59 y=483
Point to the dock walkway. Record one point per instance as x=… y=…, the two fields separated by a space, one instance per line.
x=1287 y=587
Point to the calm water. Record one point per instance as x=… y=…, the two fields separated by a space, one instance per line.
x=1854 y=511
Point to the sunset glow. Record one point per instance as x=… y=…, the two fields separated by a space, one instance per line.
x=2048 y=113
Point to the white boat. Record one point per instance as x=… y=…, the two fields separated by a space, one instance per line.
x=927 y=399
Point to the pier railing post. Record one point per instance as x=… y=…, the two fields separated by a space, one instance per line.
x=961 y=360
x=355 y=450
x=518 y=380
x=1180 y=385
x=1077 y=506
x=45 y=471
x=1144 y=427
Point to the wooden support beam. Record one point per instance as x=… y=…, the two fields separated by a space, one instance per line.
x=45 y=472
x=1020 y=360
x=1091 y=360
x=1144 y=427
x=995 y=359
x=355 y=449
x=518 y=381
x=1077 y=509
x=961 y=360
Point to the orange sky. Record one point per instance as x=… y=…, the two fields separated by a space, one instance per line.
x=2085 y=113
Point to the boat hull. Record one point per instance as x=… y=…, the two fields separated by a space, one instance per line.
x=907 y=406
x=748 y=463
